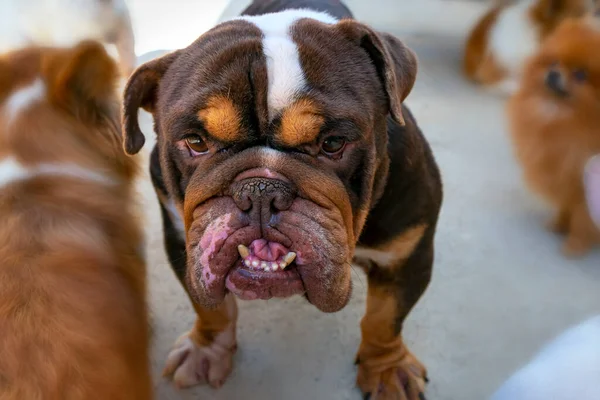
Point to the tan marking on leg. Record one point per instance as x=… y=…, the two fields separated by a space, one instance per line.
x=300 y=123
x=221 y=119
x=386 y=368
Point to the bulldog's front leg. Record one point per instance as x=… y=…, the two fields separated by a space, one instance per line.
x=397 y=277
x=204 y=354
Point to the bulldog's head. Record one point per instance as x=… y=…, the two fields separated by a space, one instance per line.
x=272 y=143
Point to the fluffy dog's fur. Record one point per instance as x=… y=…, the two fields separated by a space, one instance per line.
x=554 y=122
x=509 y=33
x=73 y=319
x=66 y=22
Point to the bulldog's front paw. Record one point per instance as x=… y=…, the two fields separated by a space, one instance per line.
x=190 y=364
x=394 y=375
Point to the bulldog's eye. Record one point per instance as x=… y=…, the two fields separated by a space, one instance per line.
x=333 y=145
x=196 y=145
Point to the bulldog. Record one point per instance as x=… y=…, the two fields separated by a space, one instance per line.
x=284 y=154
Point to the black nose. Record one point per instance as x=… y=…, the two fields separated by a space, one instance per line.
x=261 y=198
x=556 y=83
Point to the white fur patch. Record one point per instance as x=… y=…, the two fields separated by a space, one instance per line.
x=25 y=97
x=270 y=157
x=12 y=171
x=379 y=257
x=514 y=37
x=505 y=87
x=285 y=75
x=176 y=218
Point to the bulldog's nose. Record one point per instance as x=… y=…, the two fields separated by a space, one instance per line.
x=556 y=82
x=263 y=197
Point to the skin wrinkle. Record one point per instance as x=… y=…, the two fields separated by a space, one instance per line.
x=196 y=246
x=201 y=187
x=309 y=233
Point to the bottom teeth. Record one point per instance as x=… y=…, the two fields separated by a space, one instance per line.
x=281 y=264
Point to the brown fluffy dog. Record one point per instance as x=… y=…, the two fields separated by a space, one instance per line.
x=555 y=120
x=73 y=321
x=509 y=33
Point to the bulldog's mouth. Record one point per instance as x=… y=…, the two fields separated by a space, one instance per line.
x=266 y=256
x=264 y=270
x=263 y=241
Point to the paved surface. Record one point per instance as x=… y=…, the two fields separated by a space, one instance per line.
x=500 y=287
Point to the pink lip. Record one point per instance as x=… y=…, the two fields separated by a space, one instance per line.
x=261 y=173
x=249 y=284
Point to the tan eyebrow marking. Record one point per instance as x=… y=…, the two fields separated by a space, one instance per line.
x=300 y=123
x=221 y=119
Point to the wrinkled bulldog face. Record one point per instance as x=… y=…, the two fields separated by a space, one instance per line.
x=271 y=225
x=271 y=131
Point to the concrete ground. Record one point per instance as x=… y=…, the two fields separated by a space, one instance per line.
x=500 y=287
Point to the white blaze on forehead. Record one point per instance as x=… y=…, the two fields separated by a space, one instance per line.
x=12 y=171
x=25 y=97
x=284 y=70
x=271 y=158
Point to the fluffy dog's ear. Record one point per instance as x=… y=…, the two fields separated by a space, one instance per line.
x=592 y=187
x=82 y=80
x=396 y=64
x=140 y=92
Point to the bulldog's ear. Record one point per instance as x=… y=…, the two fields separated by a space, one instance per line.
x=140 y=92
x=592 y=188
x=396 y=64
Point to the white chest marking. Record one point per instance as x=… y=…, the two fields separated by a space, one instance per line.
x=12 y=171
x=25 y=97
x=176 y=219
x=379 y=257
x=284 y=70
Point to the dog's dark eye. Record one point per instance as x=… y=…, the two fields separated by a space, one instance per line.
x=196 y=145
x=580 y=75
x=333 y=145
